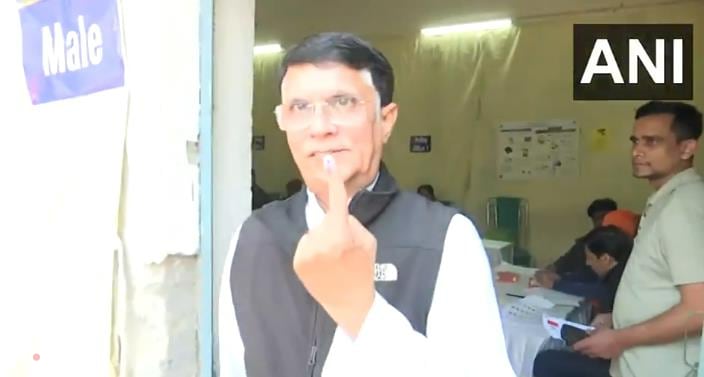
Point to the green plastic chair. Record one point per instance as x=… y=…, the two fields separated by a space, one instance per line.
x=507 y=220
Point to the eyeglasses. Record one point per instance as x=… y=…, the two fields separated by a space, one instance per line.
x=341 y=110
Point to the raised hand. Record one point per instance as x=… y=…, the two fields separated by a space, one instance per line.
x=335 y=260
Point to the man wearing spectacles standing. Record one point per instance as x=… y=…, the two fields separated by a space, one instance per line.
x=353 y=277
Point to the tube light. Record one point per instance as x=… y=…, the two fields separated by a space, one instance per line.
x=267 y=49
x=461 y=28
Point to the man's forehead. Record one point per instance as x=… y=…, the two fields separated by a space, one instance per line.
x=656 y=124
x=325 y=76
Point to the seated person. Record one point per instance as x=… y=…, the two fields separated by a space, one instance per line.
x=572 y=263
x=427 y=191
x=259 y=196
x=607 y=250
x=626 y=220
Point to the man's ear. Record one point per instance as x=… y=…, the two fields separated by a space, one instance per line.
x=687 y=148
x=389 y=114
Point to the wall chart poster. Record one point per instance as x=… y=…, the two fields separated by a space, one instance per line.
x=528 y=150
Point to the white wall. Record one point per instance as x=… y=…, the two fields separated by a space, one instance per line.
x=158 y=316
x=59 y=196
x=67 y=193
x=232 y=124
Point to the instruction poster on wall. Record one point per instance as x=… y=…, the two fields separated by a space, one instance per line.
x=528 y=150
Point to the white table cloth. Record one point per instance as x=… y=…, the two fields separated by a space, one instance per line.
x=524 y=339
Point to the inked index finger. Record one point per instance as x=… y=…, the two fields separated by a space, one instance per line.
x=337 y=193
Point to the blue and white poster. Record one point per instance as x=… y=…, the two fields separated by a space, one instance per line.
x=70 y=48
x=420 y=144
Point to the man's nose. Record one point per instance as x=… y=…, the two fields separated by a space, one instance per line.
x=636 y=151
x=320 y=123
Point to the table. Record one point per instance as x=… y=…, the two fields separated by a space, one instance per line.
x=525 y=339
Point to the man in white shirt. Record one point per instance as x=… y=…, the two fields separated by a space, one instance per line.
x=352 y=277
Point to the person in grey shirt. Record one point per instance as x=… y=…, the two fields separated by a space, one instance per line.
x=662 y=287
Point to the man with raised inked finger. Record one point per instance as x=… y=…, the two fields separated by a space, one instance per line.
x=351 y=276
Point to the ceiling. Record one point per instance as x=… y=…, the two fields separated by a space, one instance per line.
x=289 y=20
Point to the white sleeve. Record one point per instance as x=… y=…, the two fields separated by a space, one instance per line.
x=231 y=348
x=464 y=332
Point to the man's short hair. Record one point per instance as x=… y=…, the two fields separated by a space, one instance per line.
x=426 y=187
x=347 y=49
x=601 y=205
x=609 y=240
x=687 y=122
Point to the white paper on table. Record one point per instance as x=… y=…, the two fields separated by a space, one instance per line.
x=538 y=302
x=557 y=298
x=528 y=309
